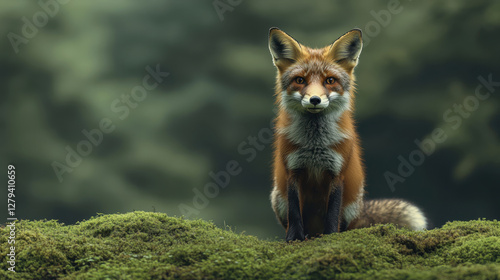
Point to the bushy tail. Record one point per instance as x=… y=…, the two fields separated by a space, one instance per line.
x=394 y=211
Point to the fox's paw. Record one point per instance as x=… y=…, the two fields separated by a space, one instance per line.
x=295 y=234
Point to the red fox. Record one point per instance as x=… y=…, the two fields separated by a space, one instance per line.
x=318 y=170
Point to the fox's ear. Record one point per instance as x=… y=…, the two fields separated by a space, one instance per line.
x=346 y=49
x=284 y=49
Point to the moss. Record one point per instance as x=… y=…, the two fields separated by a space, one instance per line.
x=141 y=245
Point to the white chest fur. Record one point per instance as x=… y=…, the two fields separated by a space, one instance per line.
x=314 y=134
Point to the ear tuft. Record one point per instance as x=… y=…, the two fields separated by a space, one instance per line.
x=284 y=49
x=346 y=49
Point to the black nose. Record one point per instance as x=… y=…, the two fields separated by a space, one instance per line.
x=315 y=100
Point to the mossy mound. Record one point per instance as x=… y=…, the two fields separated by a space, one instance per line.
x=142 y=245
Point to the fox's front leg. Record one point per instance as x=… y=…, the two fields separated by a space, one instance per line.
x=332 y=221
x=295 y=229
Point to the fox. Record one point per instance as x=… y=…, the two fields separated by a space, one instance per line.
x=318 y=171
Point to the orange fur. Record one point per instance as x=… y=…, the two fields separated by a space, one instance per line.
x=314 y=192
x=316 y=148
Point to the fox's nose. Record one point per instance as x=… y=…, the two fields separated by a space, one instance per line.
x=315 y=100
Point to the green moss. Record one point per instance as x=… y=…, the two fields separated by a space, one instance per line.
x=143 y=245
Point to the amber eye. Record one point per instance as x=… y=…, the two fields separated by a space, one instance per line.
x=330 y=80
x=300 y=80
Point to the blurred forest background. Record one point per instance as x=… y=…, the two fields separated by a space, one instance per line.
x=64 y=79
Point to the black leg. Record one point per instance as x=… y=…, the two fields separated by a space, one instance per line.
x=333 y=211
x=295 y=229
x=343 y=225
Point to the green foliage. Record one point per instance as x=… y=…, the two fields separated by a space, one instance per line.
x=143 y=245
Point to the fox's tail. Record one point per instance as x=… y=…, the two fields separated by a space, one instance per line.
x=395 y=211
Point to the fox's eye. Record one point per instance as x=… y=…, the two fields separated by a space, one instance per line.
x=300 y=80
x=330 y=80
